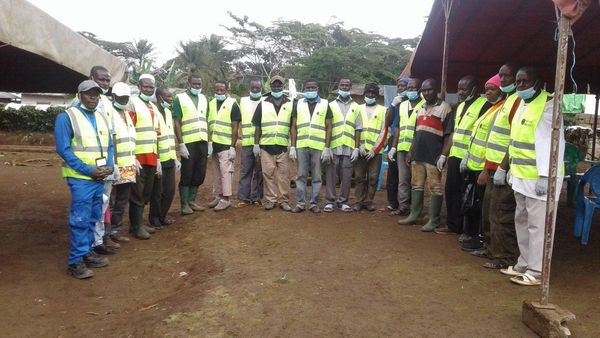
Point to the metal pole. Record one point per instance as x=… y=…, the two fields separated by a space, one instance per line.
x=447 y=4
x=564 y=25
x=594 y=129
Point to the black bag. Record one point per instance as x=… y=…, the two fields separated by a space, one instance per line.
x=468 y=200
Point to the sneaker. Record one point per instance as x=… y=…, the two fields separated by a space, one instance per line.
x=167 y=221
x=357 y=207
x=475 y=243
x=257 y=203
x=297 y=210
x=79 y=271
x=371 y=207
x=214 y=202
x=109 y=243
x=463 y=237
x=222 y=205
x=120 y=239
x=483 y=253
x=444 y=231
x=93 y=260
x=315 y=209
x=269 y=205
x=195 y=207
x=242 y=204
x=103 y=250
x=285 y=206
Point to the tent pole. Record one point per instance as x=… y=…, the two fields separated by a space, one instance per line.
x=594 y=129
x=447 y=4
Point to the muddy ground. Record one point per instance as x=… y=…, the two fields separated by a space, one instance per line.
x=250 y=273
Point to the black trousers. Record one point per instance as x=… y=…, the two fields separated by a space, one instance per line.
x=473 y=219
x=455 y=186
x=391 y=184
x=142 y=189
x=119 y=198
x=193 y=169
x=163 y=192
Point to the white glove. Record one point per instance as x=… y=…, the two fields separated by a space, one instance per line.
x=370 y=154
x=183 y=151
x=500 y=177
x=440 y=162
x=463 y=165
x=326 y=155
x=292 y=154
x=158 y=169
x=392 y=154
x=396 y=101
x=362 y=150
x=541 y=186
x=509 y=177
x=177 y=165
x=256 y=150
x=210 y=150
x=138 y=167
x=231 y=154
x=354 y=155
x=116 y=174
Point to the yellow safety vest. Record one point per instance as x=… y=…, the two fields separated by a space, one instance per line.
x=479 y=137
x=193 y=121
x=166 y=140
x=125 y=139
x=499 y=138
x=219 y=122
x=247 y=108
x=406 y=125
x=311 y=129
x=343 y=129
x=275 y=128
x=87 y=144
x=145 y=127
x=463 y=127
x=371 y=126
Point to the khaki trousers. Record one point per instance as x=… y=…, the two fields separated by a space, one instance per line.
x=276 y=176
x=222 y=174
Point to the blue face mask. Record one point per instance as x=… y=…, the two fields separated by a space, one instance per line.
x=119 y=106
x=508 y=89
x=402 y=94
x=255 y=95
x=145 y=97
x=343 y=93
x=527 y=93
x=195 y=91
x=220 y=97
x=310 y=95
x=369 y=101
x=412 y=95
x=277 y=94
x=166 y=105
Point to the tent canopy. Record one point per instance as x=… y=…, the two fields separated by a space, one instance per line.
x=485 y=34
x=40 y=54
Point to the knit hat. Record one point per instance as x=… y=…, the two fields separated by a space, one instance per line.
x=495 y=80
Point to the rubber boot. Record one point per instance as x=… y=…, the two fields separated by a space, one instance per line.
x=136 y=216
x=184 y=193
x=192 y=200
x=435 y=205
x=416 y=208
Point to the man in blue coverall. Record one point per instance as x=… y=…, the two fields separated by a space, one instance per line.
x=83 y=141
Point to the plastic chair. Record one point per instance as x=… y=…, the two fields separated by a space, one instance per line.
x=572 y=158
x=384 y=166
x=586 y=204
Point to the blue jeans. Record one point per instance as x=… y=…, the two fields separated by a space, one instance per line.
x=251 y=181
x=86 y=210
x=309 y=161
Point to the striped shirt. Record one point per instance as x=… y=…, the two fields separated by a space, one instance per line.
x=433 y=123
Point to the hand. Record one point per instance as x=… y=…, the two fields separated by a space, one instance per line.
x=231 y=154
x=463 y=165
x=210 y=149
x=408 y=158
x=256 y=150
x=177 y=165
x=292 y=154
x=396 y=101
x=362 y=150
x=326 y=155
x=483 y=178
x=354 y=155
x=370 y=154
x=500 y=177
x=99 y=173
x=392 y=154
x=183 y=151
x=440 y=162
x=541 y=186
x=138 y=167
x=158 y=169
x=116 y=174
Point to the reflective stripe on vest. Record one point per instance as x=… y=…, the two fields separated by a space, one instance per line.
x=499 y=138
x=194 y=126
x=311 y=129
x=275 y=128
x=85 y=140
x=247 y=108
x=166 y=140
x=125 y=139
x=219 y=122
x=343 y=129
x=463 y=127
x=371 y=126
x=406 y=125
x=145 y=127
x=479 y=137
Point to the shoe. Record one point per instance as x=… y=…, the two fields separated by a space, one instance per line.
x=257 y=203
x=297 y=210
x=435 y=206
x=346 y=208
x=399 y=212
x=79 y=271
x=222 y=205
x=184 y=196
x=167 y=221
x=483 y=253
x=444 y=231
x=463 y=237
x=357 y=208
x=328 y=207
x=285 y=206
x=192 y=200
x=416 y=208
x=93 y=260
x=154 y=222
x=109 y=243
x=269 y=205
x=495 y=265
x=214 y=202
x=120 y=239
x=510 y=271
x=103 y=250
x=196 y=207
x=315 y=209
x=371 y=208
x=526 y=279
x=150 y=230
x=475 y=243
x=141 y=233
x=243 y=204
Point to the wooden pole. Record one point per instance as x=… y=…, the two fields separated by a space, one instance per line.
x=447 y=4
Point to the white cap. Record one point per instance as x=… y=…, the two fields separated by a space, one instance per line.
x=147 y=76
x=121 y=89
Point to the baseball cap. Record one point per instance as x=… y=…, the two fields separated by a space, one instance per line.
x=276 y=78
x=88 y=85
x=147 y=76
x=121 y=89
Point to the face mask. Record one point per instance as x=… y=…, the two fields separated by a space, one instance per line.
x=145 y=97
x=119 y=106
x=84 y=107
x=220 y=97
x=470 y=97
x=310 y=95
x=195 y=91
x=412 y=95
x=527 y=93
x=402 y=94
x=255 y=95
x=369 y=101
x=277 y=94
x=343 y=93
x=508 y=89
x=497 y=100
x=166 y=105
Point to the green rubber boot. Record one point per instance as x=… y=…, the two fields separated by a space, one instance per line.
x=416 y=208
x=136 y=217
x=184 y=193
x=192 y=200
x=435 y=205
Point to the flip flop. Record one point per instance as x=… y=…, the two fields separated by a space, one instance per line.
x=510 y=271
x=346 y=208
x=328 y=208
x=526 y=279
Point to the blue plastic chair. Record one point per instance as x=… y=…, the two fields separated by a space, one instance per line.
x=384 y=166
x=586 y=204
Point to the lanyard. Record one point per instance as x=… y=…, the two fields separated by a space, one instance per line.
x=95 y=131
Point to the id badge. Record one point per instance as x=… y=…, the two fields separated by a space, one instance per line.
x=101 y=162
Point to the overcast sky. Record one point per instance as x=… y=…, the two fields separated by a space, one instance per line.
x=171 y=21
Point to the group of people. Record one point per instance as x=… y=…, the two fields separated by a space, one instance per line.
x=121 y=150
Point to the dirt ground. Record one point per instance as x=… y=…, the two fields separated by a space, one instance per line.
x=250 y=273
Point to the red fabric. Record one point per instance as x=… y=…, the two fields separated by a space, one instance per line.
x=431 y=122
x=146 y=159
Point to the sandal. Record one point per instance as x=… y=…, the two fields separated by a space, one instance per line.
x=346 y=208
x=526 y=279
x=510 y=271
x=328 y=208
x=495 y=265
